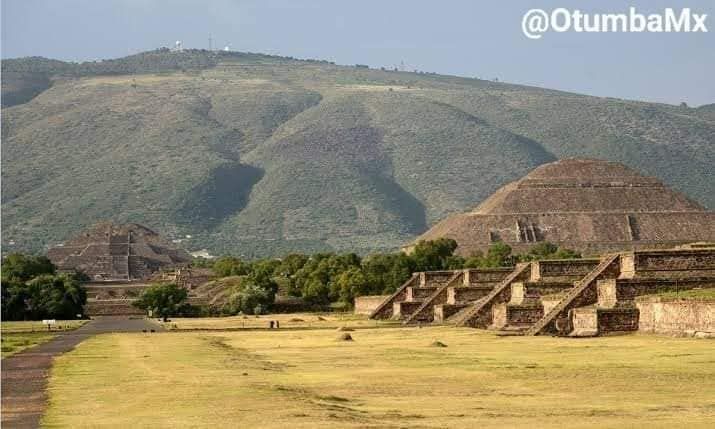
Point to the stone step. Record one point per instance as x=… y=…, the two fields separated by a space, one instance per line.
x=467 y=294
x=508 y=314
x=443 y=312
x=415 y=294
x=567 y=270
x=403 y=309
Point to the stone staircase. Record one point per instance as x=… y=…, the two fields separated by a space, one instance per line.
x=583 y=293
x=477 y=314
x=515 y=306
x=581 y=297
x=425 y=313
x=416 y=295
x=385 y=310
x=137 y=268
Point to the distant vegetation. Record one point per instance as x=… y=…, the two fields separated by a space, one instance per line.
x=159 y=60
x=324 y=279
x=259 y=156
x=163 y=300
x=32 y=291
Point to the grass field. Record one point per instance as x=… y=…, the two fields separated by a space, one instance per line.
x=16 y=342
x=17 y=336
x=384 y=378
x=38 y=326
x=286 y=321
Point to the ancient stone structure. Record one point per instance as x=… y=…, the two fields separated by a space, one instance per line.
x=114 y=298
x=121 y=261
x=108 y=252
x=579 y=297
x=673 y=316
x=368 y=304
x=587 y=205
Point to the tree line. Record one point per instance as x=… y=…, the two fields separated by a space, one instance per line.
x=33 y=290
x=325 y=279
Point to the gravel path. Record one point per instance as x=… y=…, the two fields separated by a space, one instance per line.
x=24 y=375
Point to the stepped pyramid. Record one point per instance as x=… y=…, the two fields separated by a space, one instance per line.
x=588 y=205
x=117 y=252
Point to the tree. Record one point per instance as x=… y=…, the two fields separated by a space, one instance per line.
x=498 y=255
x=163 y=300
x=14 y=297
x=44 y=297
x=352 y=283
x=543 y=250
x=289 y=267
x=25 y=267
x=249 y=298
x=316 y=292
x=230 y=266
x=387 y=272
x=59 y=297
x=433 y=255
x=547 y=250
x=566 y=254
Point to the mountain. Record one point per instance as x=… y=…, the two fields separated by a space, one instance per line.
x=261 y=155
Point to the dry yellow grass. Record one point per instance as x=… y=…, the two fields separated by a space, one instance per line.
x=38 y=326
x=286 y=321
x=384 y=378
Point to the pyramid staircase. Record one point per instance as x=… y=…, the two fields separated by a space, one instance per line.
x=582 y=294
x=477 y=314
x=385 y=310
x=476 y=284
x=525 y=295
x=425 y=312
x=577 y=297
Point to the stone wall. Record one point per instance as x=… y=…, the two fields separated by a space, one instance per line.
x=368 y=304
x=435 y=278
x=672 y=263
x=675 y=316
x=562 y=268
x=480 y=275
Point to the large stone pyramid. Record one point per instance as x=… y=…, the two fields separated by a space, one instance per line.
x=588 y=205
x=117 y=252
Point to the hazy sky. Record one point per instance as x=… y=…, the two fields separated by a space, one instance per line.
x=466 y=38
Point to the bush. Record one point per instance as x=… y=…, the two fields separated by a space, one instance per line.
x=250 y=298
x=164 y=300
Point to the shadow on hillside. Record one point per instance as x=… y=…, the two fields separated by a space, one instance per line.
x=410 y=209
x=223 y=194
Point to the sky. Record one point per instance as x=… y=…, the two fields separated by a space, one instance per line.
x=459 y=37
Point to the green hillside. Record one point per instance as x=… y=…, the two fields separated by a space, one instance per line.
x=257 y=155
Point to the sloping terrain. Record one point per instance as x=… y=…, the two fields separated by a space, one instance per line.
x=260 y=155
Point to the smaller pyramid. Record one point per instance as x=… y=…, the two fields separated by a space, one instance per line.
x=113 y=252
x=588 y=205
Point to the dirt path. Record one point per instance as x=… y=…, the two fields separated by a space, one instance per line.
x=24 y=375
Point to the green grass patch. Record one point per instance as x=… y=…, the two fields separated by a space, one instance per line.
x=707 y=294
x=16 y=342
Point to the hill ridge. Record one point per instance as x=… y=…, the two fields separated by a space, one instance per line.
x=261 y=155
